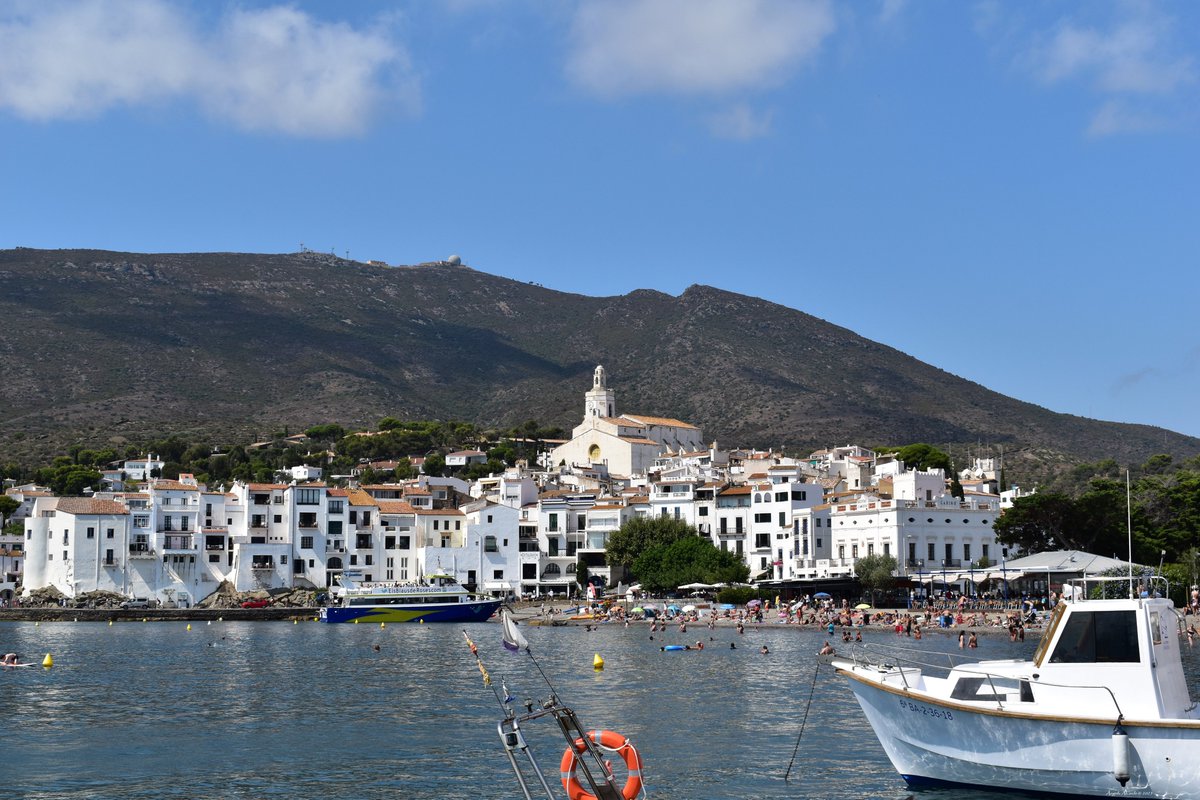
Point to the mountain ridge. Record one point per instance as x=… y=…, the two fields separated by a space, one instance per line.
x=106 y=347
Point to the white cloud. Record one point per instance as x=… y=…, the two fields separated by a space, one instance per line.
x=271 y=69
x=1116 y=116
x=740 y=122
x=1135 y=57
x=890 y=10
x=627 y=47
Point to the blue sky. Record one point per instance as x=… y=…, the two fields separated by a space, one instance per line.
x=1008 y=191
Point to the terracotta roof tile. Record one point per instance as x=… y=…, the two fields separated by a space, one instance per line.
x=89 y=505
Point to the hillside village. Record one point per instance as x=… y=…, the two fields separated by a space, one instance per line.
x=528 y=531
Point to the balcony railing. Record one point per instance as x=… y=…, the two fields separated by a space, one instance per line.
x=259 y=565
x=141 y=550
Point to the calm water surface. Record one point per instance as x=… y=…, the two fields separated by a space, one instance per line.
x=263 y=710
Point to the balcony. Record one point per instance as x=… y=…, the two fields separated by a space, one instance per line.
x=178 y=541
x=141 y=550
x=267 y=564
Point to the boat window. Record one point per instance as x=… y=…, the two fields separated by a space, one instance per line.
x=1093 y=637
x=973 y=689
x=1048 y=635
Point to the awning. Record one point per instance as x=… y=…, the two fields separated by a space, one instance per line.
x=496 y=586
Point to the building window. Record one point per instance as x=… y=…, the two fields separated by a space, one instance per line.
x=306 y=542
x=552 y=522
x=781 y=497
x=763 y=518
x=966 y=552
x=214 y=558
x=308 y=497
x=489 y=544
x=932 y=554
x=109 y=533
x=854 y=551
x=91 y=533
x=336 y=506
x=799 y=495
x=278 y=519
x=498 y=575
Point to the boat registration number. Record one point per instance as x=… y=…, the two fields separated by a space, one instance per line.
x=926 y=711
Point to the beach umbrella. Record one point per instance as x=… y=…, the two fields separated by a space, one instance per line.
x=823 y=595
x=637 y=610
x=727 y=606
x=863 y=606
x=689 y=608
x=674 y=609
x=753 y=603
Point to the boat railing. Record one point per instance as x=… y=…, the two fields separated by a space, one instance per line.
x=901 y=661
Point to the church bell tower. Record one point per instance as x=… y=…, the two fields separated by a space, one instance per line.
x=601 y=402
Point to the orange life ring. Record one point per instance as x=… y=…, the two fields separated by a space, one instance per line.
x=609 y=741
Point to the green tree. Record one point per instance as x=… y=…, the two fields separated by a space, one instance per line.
x=629 y=541
x=435 y=465
x=875 y=573
x=8 y=507
x=664 y=567
x=1038 y=522
x=325 y=433
x=924 y=457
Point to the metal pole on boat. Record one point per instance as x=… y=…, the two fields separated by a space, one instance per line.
x=1129 y=531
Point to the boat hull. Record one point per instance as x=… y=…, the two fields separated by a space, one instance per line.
x=479 y=611
x=931 y=742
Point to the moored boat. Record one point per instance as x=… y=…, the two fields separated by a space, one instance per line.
x=434 y=598
x=1102 y=709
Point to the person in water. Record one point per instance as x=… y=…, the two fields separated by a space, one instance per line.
x=827 y=650
x=764 y=650
x=10 y=660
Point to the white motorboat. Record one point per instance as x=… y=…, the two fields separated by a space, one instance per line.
x=1102 y=709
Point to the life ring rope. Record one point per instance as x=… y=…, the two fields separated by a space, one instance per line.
x=611 y=741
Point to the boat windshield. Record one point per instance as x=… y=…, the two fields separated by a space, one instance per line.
x=1048 y=634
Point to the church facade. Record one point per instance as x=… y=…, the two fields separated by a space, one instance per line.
x=625 y=444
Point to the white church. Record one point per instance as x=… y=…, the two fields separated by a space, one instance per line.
x=627 y=444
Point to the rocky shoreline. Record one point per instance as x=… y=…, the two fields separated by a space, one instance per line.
x=57 y=614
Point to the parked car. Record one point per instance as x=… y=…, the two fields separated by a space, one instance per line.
x=137 y=602
x=258 y=602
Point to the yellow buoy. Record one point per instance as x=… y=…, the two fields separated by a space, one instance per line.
x=189 y=626
x=295 y=622
x=421 y=621
x=209 y=622
x=47 y=662
x=110 y=623
x=145 y=620
x=381 y=624
x=355 y=622
x=597 y=663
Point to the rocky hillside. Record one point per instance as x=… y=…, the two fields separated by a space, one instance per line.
x=111 y=348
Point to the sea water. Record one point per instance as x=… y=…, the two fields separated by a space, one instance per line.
x=276 y=709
